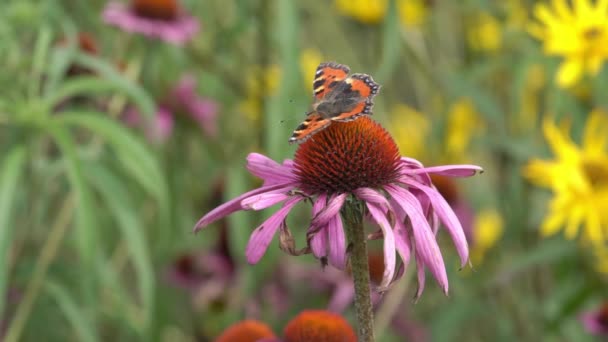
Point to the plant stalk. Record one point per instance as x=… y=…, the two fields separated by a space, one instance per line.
x=353 y=217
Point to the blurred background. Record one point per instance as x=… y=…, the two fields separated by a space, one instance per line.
x=122 y=123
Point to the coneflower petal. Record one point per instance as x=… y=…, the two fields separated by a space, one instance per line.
x=263 y=201
x=262 y=235
x=235 y=205
x=331 y=209
x=402 y=240
x=426 y=246
x=447 y=216
x=389 y=243
x=318 y=242
x=448 y=170
x=269 y=170
x=421 y=276
x=373 y=196
x=337 y=243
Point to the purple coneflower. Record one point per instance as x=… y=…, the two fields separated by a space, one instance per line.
x=596 y=322
x=161 y=19
x=354 y=164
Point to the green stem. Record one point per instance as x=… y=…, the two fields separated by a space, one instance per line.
x=47 y=255
x=353 y=217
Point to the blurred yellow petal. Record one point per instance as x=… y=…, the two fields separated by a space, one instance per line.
x=569 y=72
x=595 y=134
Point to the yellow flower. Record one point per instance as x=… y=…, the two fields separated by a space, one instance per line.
x=410 y=129
x=484 y=33
x=579 y=33
x=309 y=60
x=578 y=178
x=487 y=230
x=259 y=84
x=463 y=124
x=365 y=11
x=411 y=12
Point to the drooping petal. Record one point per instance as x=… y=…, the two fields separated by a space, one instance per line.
x=262 y=235
x=235 y=205
x=424 y=240
x=402 y=240
x=448 y=170
x=421 y=277
x=263 y=201
x=331 y=209
x=389 y=243
x=449 y=219
x=337 y=243
x=269 y=170
x=371 y=196
x=318 y=242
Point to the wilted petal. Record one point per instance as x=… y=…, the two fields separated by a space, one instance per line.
x=269 y=170
x=262 y=235
x=337 y=243
x=234 y=205
x=263 y=201
x=424 y=239
x=448 y=170
x=449 y=219
x=389 y=243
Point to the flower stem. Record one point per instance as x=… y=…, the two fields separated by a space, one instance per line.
x=353 y=217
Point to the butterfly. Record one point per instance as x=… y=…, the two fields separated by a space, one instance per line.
x=337 y=97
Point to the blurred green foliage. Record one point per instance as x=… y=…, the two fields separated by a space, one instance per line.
x=94 y=214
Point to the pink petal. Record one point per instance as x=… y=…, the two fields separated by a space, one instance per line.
x=449 y=219
x=269 y=170
x=263 y=201
x=424 y=239
x=421 y=276
x=402 y=240
x=318 y=242
x=337 y=243
x=373 y=196
x=262 y=235
x=331 y=209
x=341 y=297
x=234 y=205
x=389 y=244
x=448 y=170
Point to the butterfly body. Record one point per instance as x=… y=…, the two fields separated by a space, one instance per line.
x=337 y=98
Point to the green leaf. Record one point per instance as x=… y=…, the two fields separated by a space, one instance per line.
x=134 y=156
x=391 y=44
x=548 y=252
x=74 y=313
x=86 y=223
x=120 y=204
x=12 y=169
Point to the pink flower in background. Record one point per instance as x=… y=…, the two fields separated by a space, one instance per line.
x=201 y=110
x=183 y=100
x=161 y=19
x=158 y=129
x=596 y=321
x=354 y=161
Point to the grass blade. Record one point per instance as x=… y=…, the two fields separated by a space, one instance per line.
x=9 y=179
